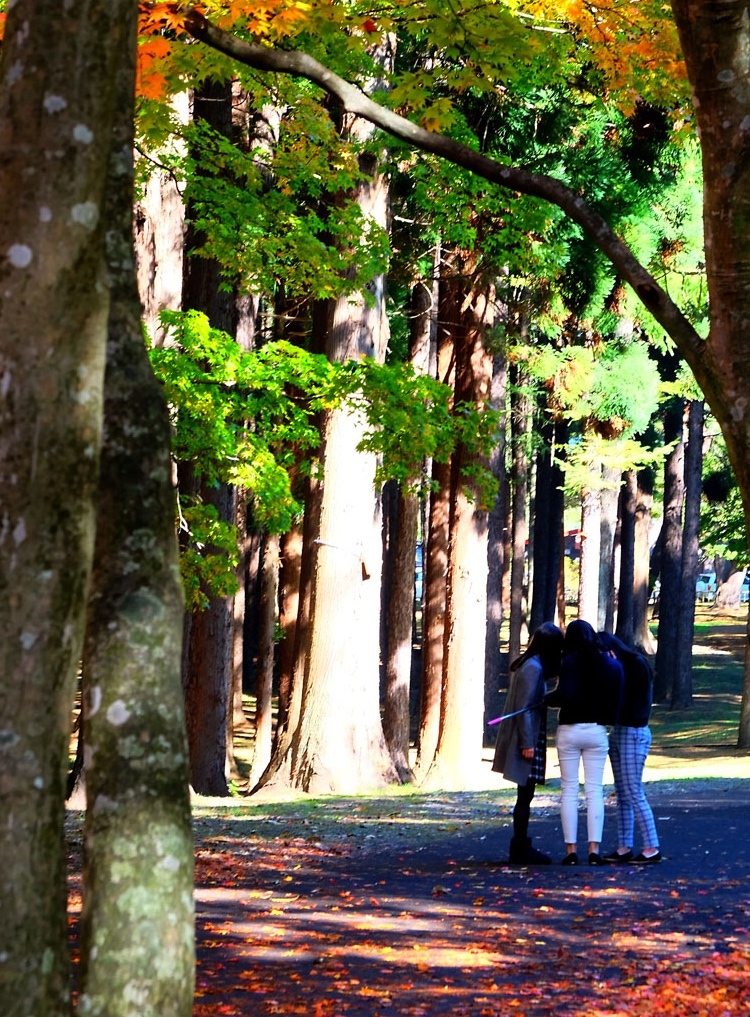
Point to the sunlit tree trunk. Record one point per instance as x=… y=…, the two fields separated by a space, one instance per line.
x=458 y=752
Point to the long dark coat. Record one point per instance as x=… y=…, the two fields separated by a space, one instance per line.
x=522 y=732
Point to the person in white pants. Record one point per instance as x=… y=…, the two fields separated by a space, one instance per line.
x=589 y=695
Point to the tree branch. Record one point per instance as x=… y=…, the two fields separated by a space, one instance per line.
x=295 y=62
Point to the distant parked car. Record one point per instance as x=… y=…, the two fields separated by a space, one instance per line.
x=705 y=587
x=745 y=589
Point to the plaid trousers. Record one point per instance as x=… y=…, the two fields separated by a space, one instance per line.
x=628 y=748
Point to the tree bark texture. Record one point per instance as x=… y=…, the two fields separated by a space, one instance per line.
x=628 y=508
x=208 y=650
x=57 y=105
x=642 y=637
x=495 y=527
x=682 y=689
x=266 y=651
x=670 y=557
x=468 y=314
x=548 y=523
x=608 y=546
x=519 y=429
x=399 y=612
x=137 y=951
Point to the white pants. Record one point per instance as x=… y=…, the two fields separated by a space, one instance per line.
x=587 y=742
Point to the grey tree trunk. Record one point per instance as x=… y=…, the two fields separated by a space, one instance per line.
x=137 y=952
x=57 y=103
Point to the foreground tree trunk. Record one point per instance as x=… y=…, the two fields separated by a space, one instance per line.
x=57 y=104
x=137 y=919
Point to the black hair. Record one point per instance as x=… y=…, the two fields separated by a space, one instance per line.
x=546 y=643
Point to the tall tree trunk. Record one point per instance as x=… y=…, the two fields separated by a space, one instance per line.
x=137 y=919
x=548 y=524
x=668 y=649
x=495 y=526
x=207 y=653
x=519 y=427
x=399 y=613
x=290 y=580
x=608 y=544
x=628 y=508
x=434 y=598
x=399 y=609
x=57 y=106
x=682 y=690
x=264 y=673
x=642 y=637
x=434 y=618
x=588 y=579
x=462 y=698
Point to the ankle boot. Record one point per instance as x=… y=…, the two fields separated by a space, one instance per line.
x=522 y=853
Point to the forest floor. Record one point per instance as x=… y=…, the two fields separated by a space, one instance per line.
x=400 y=903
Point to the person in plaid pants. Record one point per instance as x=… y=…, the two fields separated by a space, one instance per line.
x=629 y=744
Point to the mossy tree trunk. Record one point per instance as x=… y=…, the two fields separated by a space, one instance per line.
x=137 y=954
x=57 y=99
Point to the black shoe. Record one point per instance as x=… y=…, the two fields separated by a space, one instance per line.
x=642 y=859
x=618 y=859
x=522 y=853
x=595 y=859
x=571 y=859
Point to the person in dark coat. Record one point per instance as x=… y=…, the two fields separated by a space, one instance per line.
x=521 y=747
x=629 y=744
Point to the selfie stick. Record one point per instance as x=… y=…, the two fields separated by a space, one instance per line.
x=515 y=713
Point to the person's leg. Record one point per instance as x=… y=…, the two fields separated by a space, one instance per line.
x=618 y=748
x=594 y=752
x=569 y=757
x=639 y=745
x=522 y=810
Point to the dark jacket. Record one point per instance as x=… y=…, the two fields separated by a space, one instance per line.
x=639 y=691
x=590 y=690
